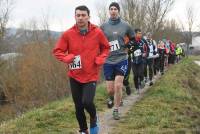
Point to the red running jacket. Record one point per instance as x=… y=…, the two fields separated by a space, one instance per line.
x=92 y=49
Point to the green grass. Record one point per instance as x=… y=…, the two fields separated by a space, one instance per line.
x=172 y=105
x=55 y=118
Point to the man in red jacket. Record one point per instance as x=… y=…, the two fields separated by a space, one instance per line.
x=84 y=48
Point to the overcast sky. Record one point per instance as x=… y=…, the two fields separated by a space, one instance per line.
x=61 y=12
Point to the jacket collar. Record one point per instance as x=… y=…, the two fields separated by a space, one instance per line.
x=90 y=28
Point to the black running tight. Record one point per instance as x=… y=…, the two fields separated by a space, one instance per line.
x=83 y=97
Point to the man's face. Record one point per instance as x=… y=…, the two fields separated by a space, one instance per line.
x=114 y=12
x=139 y=35
x=149 y=36
x=81 y=18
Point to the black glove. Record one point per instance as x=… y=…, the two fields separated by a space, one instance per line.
x=130 y=45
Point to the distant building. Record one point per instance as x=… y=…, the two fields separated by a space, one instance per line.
x=9 y=56
x=196 y=42
x=9 y=59
x=195 y=46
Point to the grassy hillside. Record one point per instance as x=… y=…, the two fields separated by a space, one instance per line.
x=172 y=105
x=55 y=118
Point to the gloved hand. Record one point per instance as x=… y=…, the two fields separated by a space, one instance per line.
x=130 y=45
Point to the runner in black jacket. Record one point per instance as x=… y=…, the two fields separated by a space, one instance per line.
x=138 y=51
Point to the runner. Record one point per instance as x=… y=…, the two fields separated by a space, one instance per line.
x=156 y=60
x=178 y=53
x=138 y=49
x=84 y=48
x=116 y=30
x=172 y=53
x=162 y=52
x=126 y=77
x=150 y=59
x=167 y=47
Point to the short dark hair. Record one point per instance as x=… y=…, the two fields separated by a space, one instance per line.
x=115 y=4
x=137 y=30
x=83 y=8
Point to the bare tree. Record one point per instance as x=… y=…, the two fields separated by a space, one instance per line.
x=190 y=19
x=135 y=12
x=148 y=15
x=6 y=7
x=30 y=30
x=170 y=30
x=101 y=12
x=187 y=29
x=157 y=11
x=46 y=26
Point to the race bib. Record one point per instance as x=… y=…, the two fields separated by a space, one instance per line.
x=76 y=64
x=137 y=53
x=114 y=45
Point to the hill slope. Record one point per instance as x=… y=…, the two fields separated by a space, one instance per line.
x=55 y=118
x=171 y=105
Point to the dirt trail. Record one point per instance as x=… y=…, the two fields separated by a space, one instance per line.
x=106 y=120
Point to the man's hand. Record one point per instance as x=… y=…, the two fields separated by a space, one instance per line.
x=99 y=60
x=144 y=55
x=69 y=58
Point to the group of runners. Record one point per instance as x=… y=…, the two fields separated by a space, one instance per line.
x=114 y=45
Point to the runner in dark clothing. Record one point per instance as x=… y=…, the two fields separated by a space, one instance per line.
x=138 y=52
x=126 y=77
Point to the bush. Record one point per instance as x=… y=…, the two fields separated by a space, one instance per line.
x=35 y=78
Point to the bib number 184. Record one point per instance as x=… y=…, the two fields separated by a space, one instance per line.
x=76 y=64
